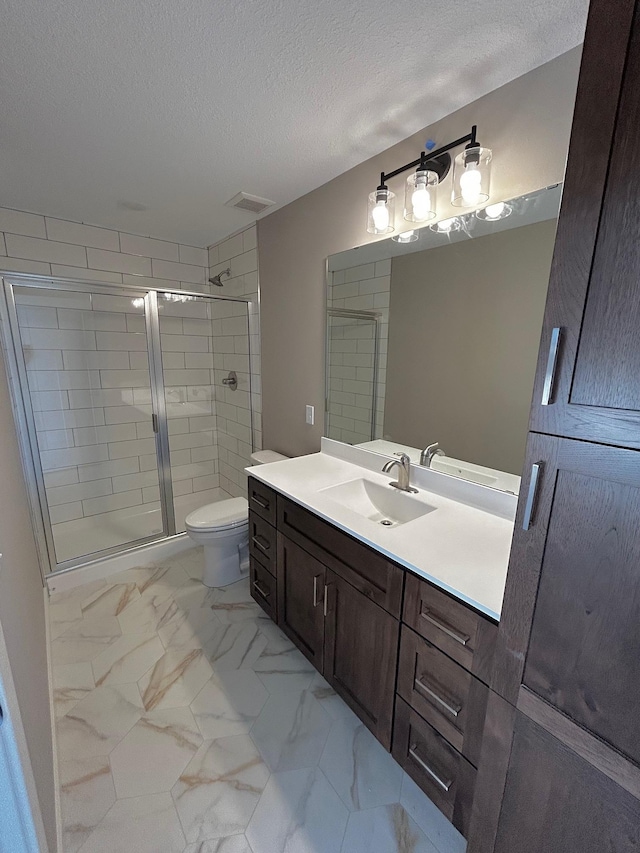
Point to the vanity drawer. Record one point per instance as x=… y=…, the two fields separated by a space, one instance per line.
x=263 y=587
x=448 y=697
x=452 y=626
x=262 y=500
x=263 y=543
x=365 y=569
x=444 y=775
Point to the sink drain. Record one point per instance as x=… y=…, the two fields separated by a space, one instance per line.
x=386 y=522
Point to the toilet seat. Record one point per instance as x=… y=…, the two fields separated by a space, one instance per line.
x=229 y=514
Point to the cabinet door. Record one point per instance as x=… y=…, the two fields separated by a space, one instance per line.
x=556 y=802
x=587 y=378
x=361 y=651
x=573 y=589
x=301 y=583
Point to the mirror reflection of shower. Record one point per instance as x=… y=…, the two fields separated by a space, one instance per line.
x=217 y=279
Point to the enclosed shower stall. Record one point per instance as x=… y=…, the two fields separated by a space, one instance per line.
x=124 y=399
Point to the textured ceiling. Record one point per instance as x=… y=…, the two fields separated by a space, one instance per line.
x=176 y=105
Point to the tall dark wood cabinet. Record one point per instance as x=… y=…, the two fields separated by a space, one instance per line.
x=560 y=762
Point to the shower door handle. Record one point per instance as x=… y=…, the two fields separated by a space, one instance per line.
x=154 y=423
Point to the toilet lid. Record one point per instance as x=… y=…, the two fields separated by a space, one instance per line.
x=230 y=513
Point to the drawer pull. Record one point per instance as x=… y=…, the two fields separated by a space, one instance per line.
x=258 y=540
x=530 y=506
x=260 y=590
x=259 y=501
x=552 y=361
x=453 y=710
x=444 y=785
x=463 y=639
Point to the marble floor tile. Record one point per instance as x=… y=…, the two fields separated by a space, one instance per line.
x=220 y=788
x=193 y=627
x=147 y=824
x=175 y=679
x=110 y=600
x=84 y=641
x=62 y=617
x=192 y=562
x=191 y=594
x=232 y=603
x=235 y=646
x=386 y=829
x=230 y=844
x=229 y=703
x=148 y=614
x=291 y=731
x=299 y=812
x=333 y=704
x=281 y=666
x=86 y=795
x=71 y=683
x=151 y=757
x=430 y=819
x=163 y=583
x=126 y=660
x=360 y=769
x=98 y=723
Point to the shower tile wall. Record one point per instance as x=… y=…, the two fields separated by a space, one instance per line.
x=87 y=364
x=233 y=410
x=362 y=288
x=46 y=246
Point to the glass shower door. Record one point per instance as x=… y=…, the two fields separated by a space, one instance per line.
x=83 y=358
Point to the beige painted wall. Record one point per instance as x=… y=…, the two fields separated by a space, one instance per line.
x=527 y=124
x=464 y=330
x=22 y=614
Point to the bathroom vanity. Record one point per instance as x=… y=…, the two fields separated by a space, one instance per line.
x=407 y=646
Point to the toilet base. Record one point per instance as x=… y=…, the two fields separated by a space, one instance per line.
x=224 y=566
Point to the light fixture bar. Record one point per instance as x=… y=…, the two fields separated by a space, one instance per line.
x=425 y=159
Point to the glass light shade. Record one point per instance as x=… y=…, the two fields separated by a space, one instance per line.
x=381 y=212
x=420 y=196
x=406 y=237
x=471 y=177
x=493 y=212
x=446 y=226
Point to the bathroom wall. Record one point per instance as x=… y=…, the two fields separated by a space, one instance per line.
x=363 y=288
x=527 y=124
x=233 y=408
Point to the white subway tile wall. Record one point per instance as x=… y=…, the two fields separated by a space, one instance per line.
x=351 y=357
x=42 y=245
x=234 y=408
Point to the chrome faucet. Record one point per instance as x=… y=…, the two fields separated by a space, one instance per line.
x=426 y=457
x=404 y=472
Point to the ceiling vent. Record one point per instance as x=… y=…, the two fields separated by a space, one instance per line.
x=251 y=203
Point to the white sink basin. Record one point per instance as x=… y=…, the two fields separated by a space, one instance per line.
x=381 y=504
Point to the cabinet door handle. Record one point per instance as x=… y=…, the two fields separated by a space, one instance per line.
x=552 y=361
x=257 y=500
x=463 y=639
x=454 y=710
x=258 y=540
x=260 y=590
x=444 y=785
x=531 y=495
x=325 y=606
x=316 y=600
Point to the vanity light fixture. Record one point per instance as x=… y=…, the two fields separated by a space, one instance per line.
x=471 y=179
x=406 y=237
x=494 y=212
x=446 y=226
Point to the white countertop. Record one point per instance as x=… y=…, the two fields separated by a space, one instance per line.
x=460 y=547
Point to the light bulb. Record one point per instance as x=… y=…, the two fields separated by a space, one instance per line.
x=446 y=225
x=421 y=202
x=405 y=237
x=471 y=184
x=380 y=216
x=495 y=211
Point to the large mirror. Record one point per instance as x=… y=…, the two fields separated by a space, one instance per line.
x=432 y=337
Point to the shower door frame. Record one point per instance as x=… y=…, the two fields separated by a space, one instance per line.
x=16 y=370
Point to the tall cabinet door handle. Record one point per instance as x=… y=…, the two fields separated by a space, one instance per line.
x=531 y=495
x=550 y=372
x=326 y=599
x=316 y=600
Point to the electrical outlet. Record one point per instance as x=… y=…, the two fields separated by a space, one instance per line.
x=310 y=415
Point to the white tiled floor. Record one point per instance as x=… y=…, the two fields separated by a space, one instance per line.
x=188 y=723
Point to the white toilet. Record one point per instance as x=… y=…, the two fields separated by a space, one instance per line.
x=223 y=529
